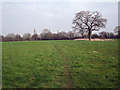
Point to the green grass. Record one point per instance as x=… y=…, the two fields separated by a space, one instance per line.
x=40 y=64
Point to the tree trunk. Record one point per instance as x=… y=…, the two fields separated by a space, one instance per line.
x=89 y=35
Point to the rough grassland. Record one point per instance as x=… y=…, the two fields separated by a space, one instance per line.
x=64 y=64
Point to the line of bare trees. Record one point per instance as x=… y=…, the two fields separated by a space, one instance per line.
x=85 y=22
x=48 y=35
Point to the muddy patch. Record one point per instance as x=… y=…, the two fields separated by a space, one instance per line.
x=95 y=39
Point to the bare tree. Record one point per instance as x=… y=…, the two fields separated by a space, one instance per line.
x=35 y=37
x=117 y=31
x=111 y=35
x=70 y=34
x=46 y=34
x=62 y=35
x=94 y=36
x=26 y=36
x=45 y=31
x=103 y=34
x=17 y=37
x=87 y=21
x=9 y=37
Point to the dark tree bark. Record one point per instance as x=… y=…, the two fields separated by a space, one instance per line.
x=89 y=35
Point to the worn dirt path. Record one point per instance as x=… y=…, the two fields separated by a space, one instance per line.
x=68 y=83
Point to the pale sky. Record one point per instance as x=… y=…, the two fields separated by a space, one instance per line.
x=23 y=17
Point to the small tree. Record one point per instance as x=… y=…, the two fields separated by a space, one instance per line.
x=62 y=35
x=94 y=36
x=70 y=35
x=87 y=21
x=9 y=37
x=46 y=34
x=117 y=31
x=17 y=37
x=26 y=36
x=103 y=34
x=111 y=35
x=35 y=37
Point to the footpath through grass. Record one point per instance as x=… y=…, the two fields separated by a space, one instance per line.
x=60 y=64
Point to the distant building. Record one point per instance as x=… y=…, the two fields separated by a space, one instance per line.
x=35 y=31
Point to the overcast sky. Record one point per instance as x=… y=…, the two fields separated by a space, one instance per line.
x=23 y=17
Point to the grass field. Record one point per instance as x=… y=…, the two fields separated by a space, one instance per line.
x=60 y=64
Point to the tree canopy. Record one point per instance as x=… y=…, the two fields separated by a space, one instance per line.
x=88 y=21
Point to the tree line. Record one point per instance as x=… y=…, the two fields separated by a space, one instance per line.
x=48 y=35
x=85 y=22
